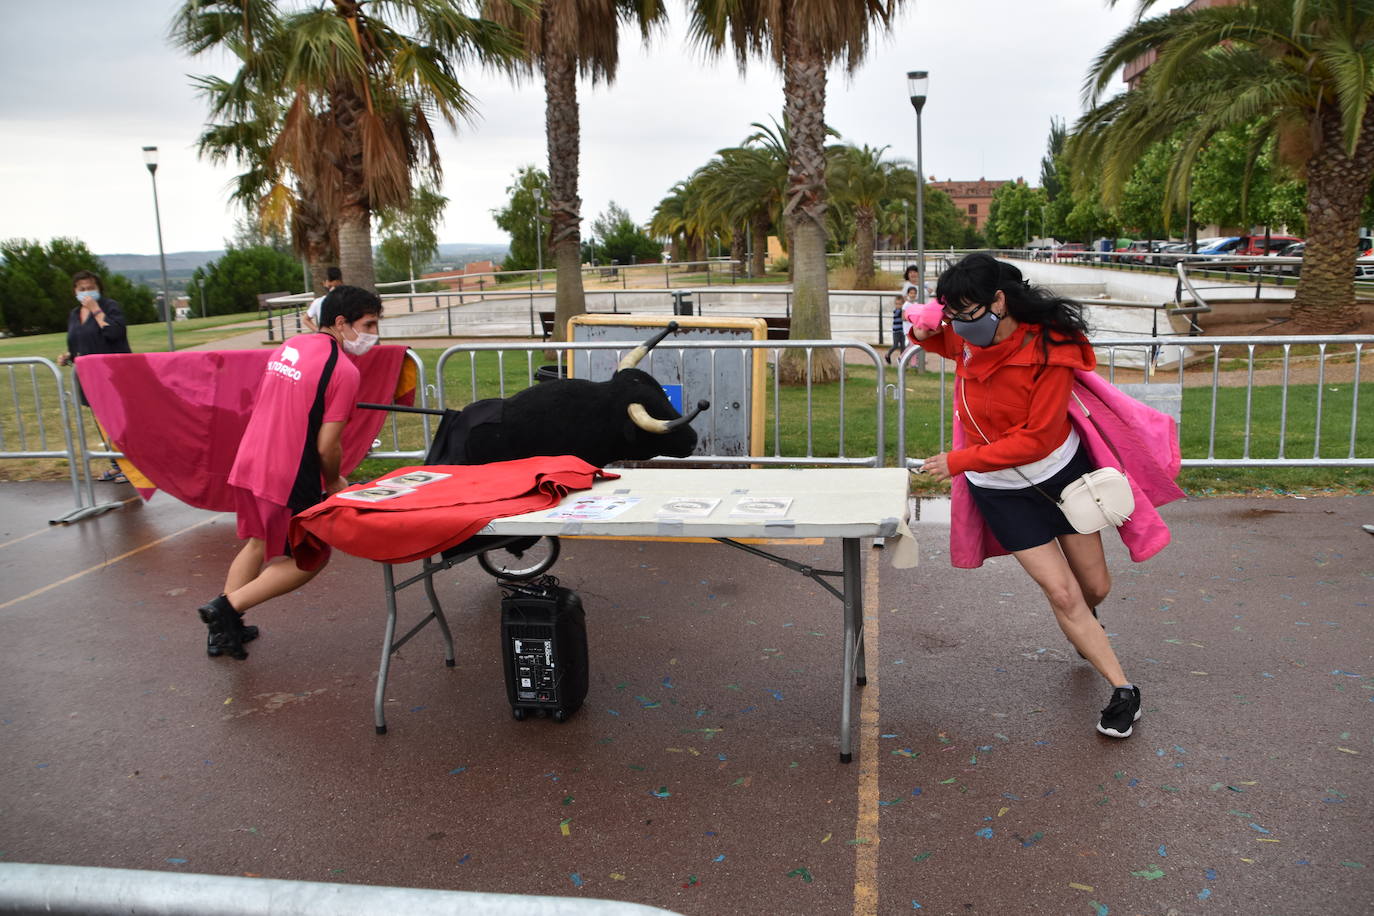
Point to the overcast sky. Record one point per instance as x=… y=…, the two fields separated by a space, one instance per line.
x=85 y=84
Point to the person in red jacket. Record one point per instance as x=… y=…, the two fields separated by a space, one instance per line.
x=1015 y=348
x=289 y=459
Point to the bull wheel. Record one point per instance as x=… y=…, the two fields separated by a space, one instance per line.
x=519 y=565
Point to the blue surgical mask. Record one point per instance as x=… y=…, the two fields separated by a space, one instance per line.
x=93 y=294
x=980 y=331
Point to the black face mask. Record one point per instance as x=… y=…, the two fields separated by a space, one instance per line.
x=978 y=331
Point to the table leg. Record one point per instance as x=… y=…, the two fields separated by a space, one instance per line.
x=430 y=566
x=389 y=581
x=853 y=638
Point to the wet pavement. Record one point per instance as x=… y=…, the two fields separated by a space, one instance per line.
x=701 y=775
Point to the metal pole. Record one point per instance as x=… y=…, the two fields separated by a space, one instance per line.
x=920 y=214
x=539 y=233
x=162 y=257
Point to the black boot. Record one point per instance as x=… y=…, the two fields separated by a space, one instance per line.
x=226 y=630
x=215 y=648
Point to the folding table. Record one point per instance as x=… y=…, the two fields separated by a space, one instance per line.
x=840 y=503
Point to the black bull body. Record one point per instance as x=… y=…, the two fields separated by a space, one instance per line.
x=565 y=417
x=625 y=418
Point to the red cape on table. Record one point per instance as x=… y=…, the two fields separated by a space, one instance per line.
x=437 y=515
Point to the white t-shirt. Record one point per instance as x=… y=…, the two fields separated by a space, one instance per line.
x=313 y=311
x=1036 y=472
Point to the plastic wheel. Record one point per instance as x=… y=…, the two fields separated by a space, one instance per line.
x=518 y=713
x=560 y=715
x=519 y=565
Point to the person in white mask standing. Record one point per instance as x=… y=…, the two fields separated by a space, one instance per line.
x=289 y=458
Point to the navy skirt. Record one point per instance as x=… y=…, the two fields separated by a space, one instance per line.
x=1024 y=518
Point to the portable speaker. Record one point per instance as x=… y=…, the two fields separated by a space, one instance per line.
x=543 y=647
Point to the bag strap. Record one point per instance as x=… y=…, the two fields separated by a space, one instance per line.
x=964 y=398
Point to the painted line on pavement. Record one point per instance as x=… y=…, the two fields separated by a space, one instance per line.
x=866 y=822
x=123 y=556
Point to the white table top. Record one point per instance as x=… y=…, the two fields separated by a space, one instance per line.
x=826 y=503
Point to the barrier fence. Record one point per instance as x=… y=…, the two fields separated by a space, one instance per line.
x=1242 y=402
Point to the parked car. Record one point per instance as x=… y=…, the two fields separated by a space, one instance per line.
x=1169 y=254
x=1070 y=251
x=1255 y=244
x=1224 y=245
x=1364 y=246
x=1137 y=252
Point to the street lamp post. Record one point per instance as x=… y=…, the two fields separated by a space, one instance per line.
x=1025 y=229
x=906 y=229
x=917 y=82
x=539 y=233
x=150 y=160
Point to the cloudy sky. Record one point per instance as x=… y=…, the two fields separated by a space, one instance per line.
x=85 y=84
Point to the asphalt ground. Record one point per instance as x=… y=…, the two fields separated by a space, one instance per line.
x=701 y=775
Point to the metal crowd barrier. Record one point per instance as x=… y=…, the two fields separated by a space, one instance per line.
x=83 y=891
x=1164 y=389
x=465 y=387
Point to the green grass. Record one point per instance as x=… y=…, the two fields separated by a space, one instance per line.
x=143 y=338
x=822 y=436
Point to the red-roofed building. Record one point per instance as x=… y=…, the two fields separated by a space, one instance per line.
x=971 y=198
x=463 y=279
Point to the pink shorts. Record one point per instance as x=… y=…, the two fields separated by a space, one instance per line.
x=266 y=521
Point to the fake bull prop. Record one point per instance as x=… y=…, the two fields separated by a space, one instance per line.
x=626 y=418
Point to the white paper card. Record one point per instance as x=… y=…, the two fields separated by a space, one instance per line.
x=593 y=508
x=762 y=507
x=687 y=507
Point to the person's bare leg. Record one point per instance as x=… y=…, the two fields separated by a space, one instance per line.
x=1089 y=565
x=280 y=576
x=246 y=566
x=1050 y=569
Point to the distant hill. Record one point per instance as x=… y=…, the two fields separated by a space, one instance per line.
x=181 y=262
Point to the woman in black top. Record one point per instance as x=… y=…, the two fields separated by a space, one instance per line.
x=96 y=325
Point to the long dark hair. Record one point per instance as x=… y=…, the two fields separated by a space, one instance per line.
x=977 y=278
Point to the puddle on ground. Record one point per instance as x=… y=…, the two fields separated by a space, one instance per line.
x=932 y=510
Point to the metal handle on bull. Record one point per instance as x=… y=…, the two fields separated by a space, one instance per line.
x=634 y=356
x=401 y=408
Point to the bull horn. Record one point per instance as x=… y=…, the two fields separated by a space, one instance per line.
x=634 y=356
x=654 y=425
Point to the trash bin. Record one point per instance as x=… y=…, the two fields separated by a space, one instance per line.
x=550 y=373
x=682 y=303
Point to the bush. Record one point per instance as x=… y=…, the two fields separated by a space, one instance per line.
x=232 y=283
x=36 y=286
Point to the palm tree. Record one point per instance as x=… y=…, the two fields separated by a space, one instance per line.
x=1302 y=72
x=677 y=218
x=866 y=184
x=561 y=38
x=355 y=127
x=746 y=186
x=802 y=37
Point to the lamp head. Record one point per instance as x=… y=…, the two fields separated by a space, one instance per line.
x=917 y=84
x=150 y=158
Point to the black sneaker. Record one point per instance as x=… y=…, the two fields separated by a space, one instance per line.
x=214 y=645
x=1104 y=626
x=226 y=632
x=1121 y=713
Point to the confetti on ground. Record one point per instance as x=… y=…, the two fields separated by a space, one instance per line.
x=1080 y=887
x=803 y=873
x=1162 y=850
x=576 y=879
x=985 y=833
x=661 y=792
x=1099 y=908
x=1149 y=874
x=922 y=857
x=826 y=838
x=466 y=857
x=1204 y=893
x=456 y=770
x=1033 y=838
x=176 y=861
x=565 y=826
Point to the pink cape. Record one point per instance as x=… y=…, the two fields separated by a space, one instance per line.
x=1119 y=432
x=178 y=417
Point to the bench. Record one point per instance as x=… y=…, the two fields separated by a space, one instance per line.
x=779 y=326
x=265 y=306
x=546 y=323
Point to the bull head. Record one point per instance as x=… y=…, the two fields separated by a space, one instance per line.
x=638 y=414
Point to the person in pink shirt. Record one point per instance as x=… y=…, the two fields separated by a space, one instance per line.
x=289 y=459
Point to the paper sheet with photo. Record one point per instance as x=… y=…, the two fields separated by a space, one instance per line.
x=411 y=479
x=593 y=508
x=374 y=494
x=687 y=507
x=761 y=507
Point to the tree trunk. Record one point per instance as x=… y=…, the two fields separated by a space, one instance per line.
x=803 y=86
x=562 y=126
x=864 y=226
x=1324 y=302
x=758 y=266
x=355 y=208
x=738 y=253
x=355 y=248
